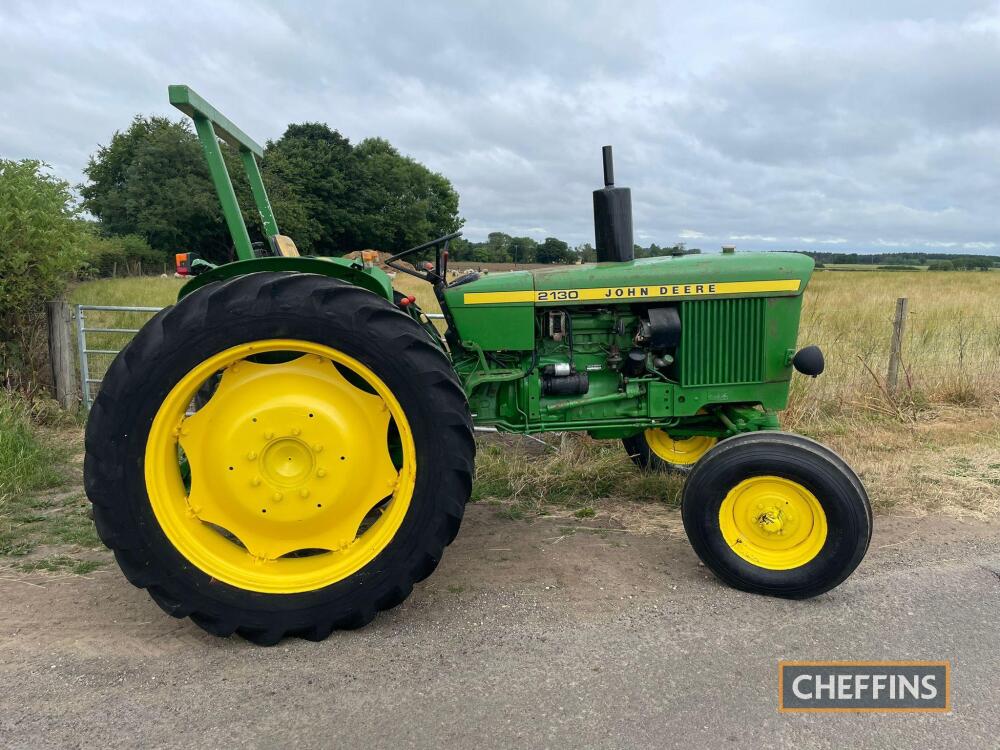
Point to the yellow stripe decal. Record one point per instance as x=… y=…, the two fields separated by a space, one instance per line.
x=633 y=292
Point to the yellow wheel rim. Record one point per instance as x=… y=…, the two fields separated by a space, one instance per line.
x=683 y=452
x=773 y=523
x=292 y=483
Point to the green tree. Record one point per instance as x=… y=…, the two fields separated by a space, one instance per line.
x=587 y=253
x=498 y=247
x=354 y=197
x=975 y=263
x=329 y=196
x=40 y=236
x=308 y=170
x=401 y=202
x=553 y=250
x=152 y=181
x=524 y=250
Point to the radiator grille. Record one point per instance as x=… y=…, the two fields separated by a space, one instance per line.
x=722 y=341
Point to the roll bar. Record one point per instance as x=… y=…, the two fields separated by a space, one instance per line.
x=211 y=125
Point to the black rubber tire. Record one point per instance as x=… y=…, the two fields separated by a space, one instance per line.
x=272 y=305
x=643 y=456
x=818 y=469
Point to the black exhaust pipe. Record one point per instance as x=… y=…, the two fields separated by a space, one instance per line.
x=613 y=217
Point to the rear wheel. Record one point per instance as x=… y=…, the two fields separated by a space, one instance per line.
x=778 y=514
x=280 y=454
x=656 y=450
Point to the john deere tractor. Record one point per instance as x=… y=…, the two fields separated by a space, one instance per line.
x=289 y=448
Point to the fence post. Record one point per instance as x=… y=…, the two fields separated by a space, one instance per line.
x=61 y=352
x=898 y=327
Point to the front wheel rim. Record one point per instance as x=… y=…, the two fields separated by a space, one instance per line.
x=301 y=469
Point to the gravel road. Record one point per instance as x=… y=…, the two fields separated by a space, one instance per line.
x=529 y=635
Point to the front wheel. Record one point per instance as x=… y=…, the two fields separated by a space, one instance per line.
x=777 y=514
x=279 y=454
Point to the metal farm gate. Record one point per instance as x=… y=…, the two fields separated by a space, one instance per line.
x=101 y=332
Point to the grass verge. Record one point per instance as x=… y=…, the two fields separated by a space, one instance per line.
x=949 y=465
x=26 y=462
x=36 y=515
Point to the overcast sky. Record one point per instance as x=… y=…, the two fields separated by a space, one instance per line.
x=841 y=125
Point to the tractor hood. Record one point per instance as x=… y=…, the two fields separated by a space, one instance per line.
x=646 y=279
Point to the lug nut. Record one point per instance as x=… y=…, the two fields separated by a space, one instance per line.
x=303 y=493
x=317 y=448
x=255 y=482
x=277 y=497
x=321 y=473
x=268 y=435
x=251 y=455
x=296 y=431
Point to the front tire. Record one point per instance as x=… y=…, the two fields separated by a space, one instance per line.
x=777 y=514
x=317 y=482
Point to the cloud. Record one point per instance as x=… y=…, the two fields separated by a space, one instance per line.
x=856 y=125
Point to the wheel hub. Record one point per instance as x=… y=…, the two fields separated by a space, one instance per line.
x=773 y=522
x=287 y=462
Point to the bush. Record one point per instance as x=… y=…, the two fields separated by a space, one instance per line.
x=40 y=237
x=128 y=255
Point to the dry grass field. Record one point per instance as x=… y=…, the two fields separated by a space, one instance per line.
x=951 y=345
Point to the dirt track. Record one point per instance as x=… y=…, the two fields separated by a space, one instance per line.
x=526 y=636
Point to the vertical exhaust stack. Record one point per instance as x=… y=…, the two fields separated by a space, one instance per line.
x=613 y=217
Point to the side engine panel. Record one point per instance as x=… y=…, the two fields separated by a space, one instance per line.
x=624 y=364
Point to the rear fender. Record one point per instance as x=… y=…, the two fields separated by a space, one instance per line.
x=373 y=279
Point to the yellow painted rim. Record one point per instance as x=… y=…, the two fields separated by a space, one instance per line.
x=683 y=452
x=287 y=461
x=773 y=522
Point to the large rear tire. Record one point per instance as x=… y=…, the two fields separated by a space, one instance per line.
x=777 y=514
x=322 y=477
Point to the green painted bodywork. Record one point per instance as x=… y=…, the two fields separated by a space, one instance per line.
x=509 y=326
x=735 y=351
x=673 y=270
x=373 y=279
x=729 y=373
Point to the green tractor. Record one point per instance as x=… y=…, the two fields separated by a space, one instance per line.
x=289 y=448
